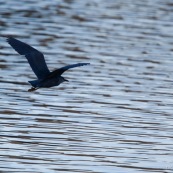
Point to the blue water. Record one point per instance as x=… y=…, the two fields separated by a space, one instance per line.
x=114 y=116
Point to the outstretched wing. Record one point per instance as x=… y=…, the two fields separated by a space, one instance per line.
x=34 y=57
x=60 y=71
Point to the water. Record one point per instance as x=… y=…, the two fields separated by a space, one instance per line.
x=114 y=115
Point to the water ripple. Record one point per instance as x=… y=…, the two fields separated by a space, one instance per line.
x=114 y=115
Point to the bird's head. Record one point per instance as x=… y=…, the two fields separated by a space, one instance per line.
x=63 y=79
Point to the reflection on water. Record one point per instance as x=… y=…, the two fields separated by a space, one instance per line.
x=113 y=116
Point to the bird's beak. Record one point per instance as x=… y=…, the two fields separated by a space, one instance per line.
x=66 y=80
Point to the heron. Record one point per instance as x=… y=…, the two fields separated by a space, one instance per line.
x=36 y=60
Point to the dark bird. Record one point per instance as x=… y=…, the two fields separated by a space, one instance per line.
x=45 y=78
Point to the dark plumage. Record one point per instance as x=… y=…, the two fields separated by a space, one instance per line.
x=37 y=62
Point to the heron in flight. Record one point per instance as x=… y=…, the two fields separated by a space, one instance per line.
x=45 y=78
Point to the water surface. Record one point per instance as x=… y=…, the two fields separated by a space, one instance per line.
x=114 y=115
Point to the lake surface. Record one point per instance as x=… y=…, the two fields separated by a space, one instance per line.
x=114 y=116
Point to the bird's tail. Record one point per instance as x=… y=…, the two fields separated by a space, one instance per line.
x=34 y=83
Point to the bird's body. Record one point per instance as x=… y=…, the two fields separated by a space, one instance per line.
x=47 y=82
x=45 y=78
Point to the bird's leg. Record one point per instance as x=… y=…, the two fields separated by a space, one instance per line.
x=32 y=89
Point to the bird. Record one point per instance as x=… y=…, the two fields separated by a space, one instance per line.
x=36 y=60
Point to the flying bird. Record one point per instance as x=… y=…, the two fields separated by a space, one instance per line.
x=45 y=78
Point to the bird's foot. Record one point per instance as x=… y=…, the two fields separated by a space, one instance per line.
x=32 y=89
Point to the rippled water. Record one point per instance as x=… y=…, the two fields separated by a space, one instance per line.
x=114 y=116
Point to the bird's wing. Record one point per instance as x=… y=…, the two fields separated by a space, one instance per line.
x=60 y=71
x=34 y=57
